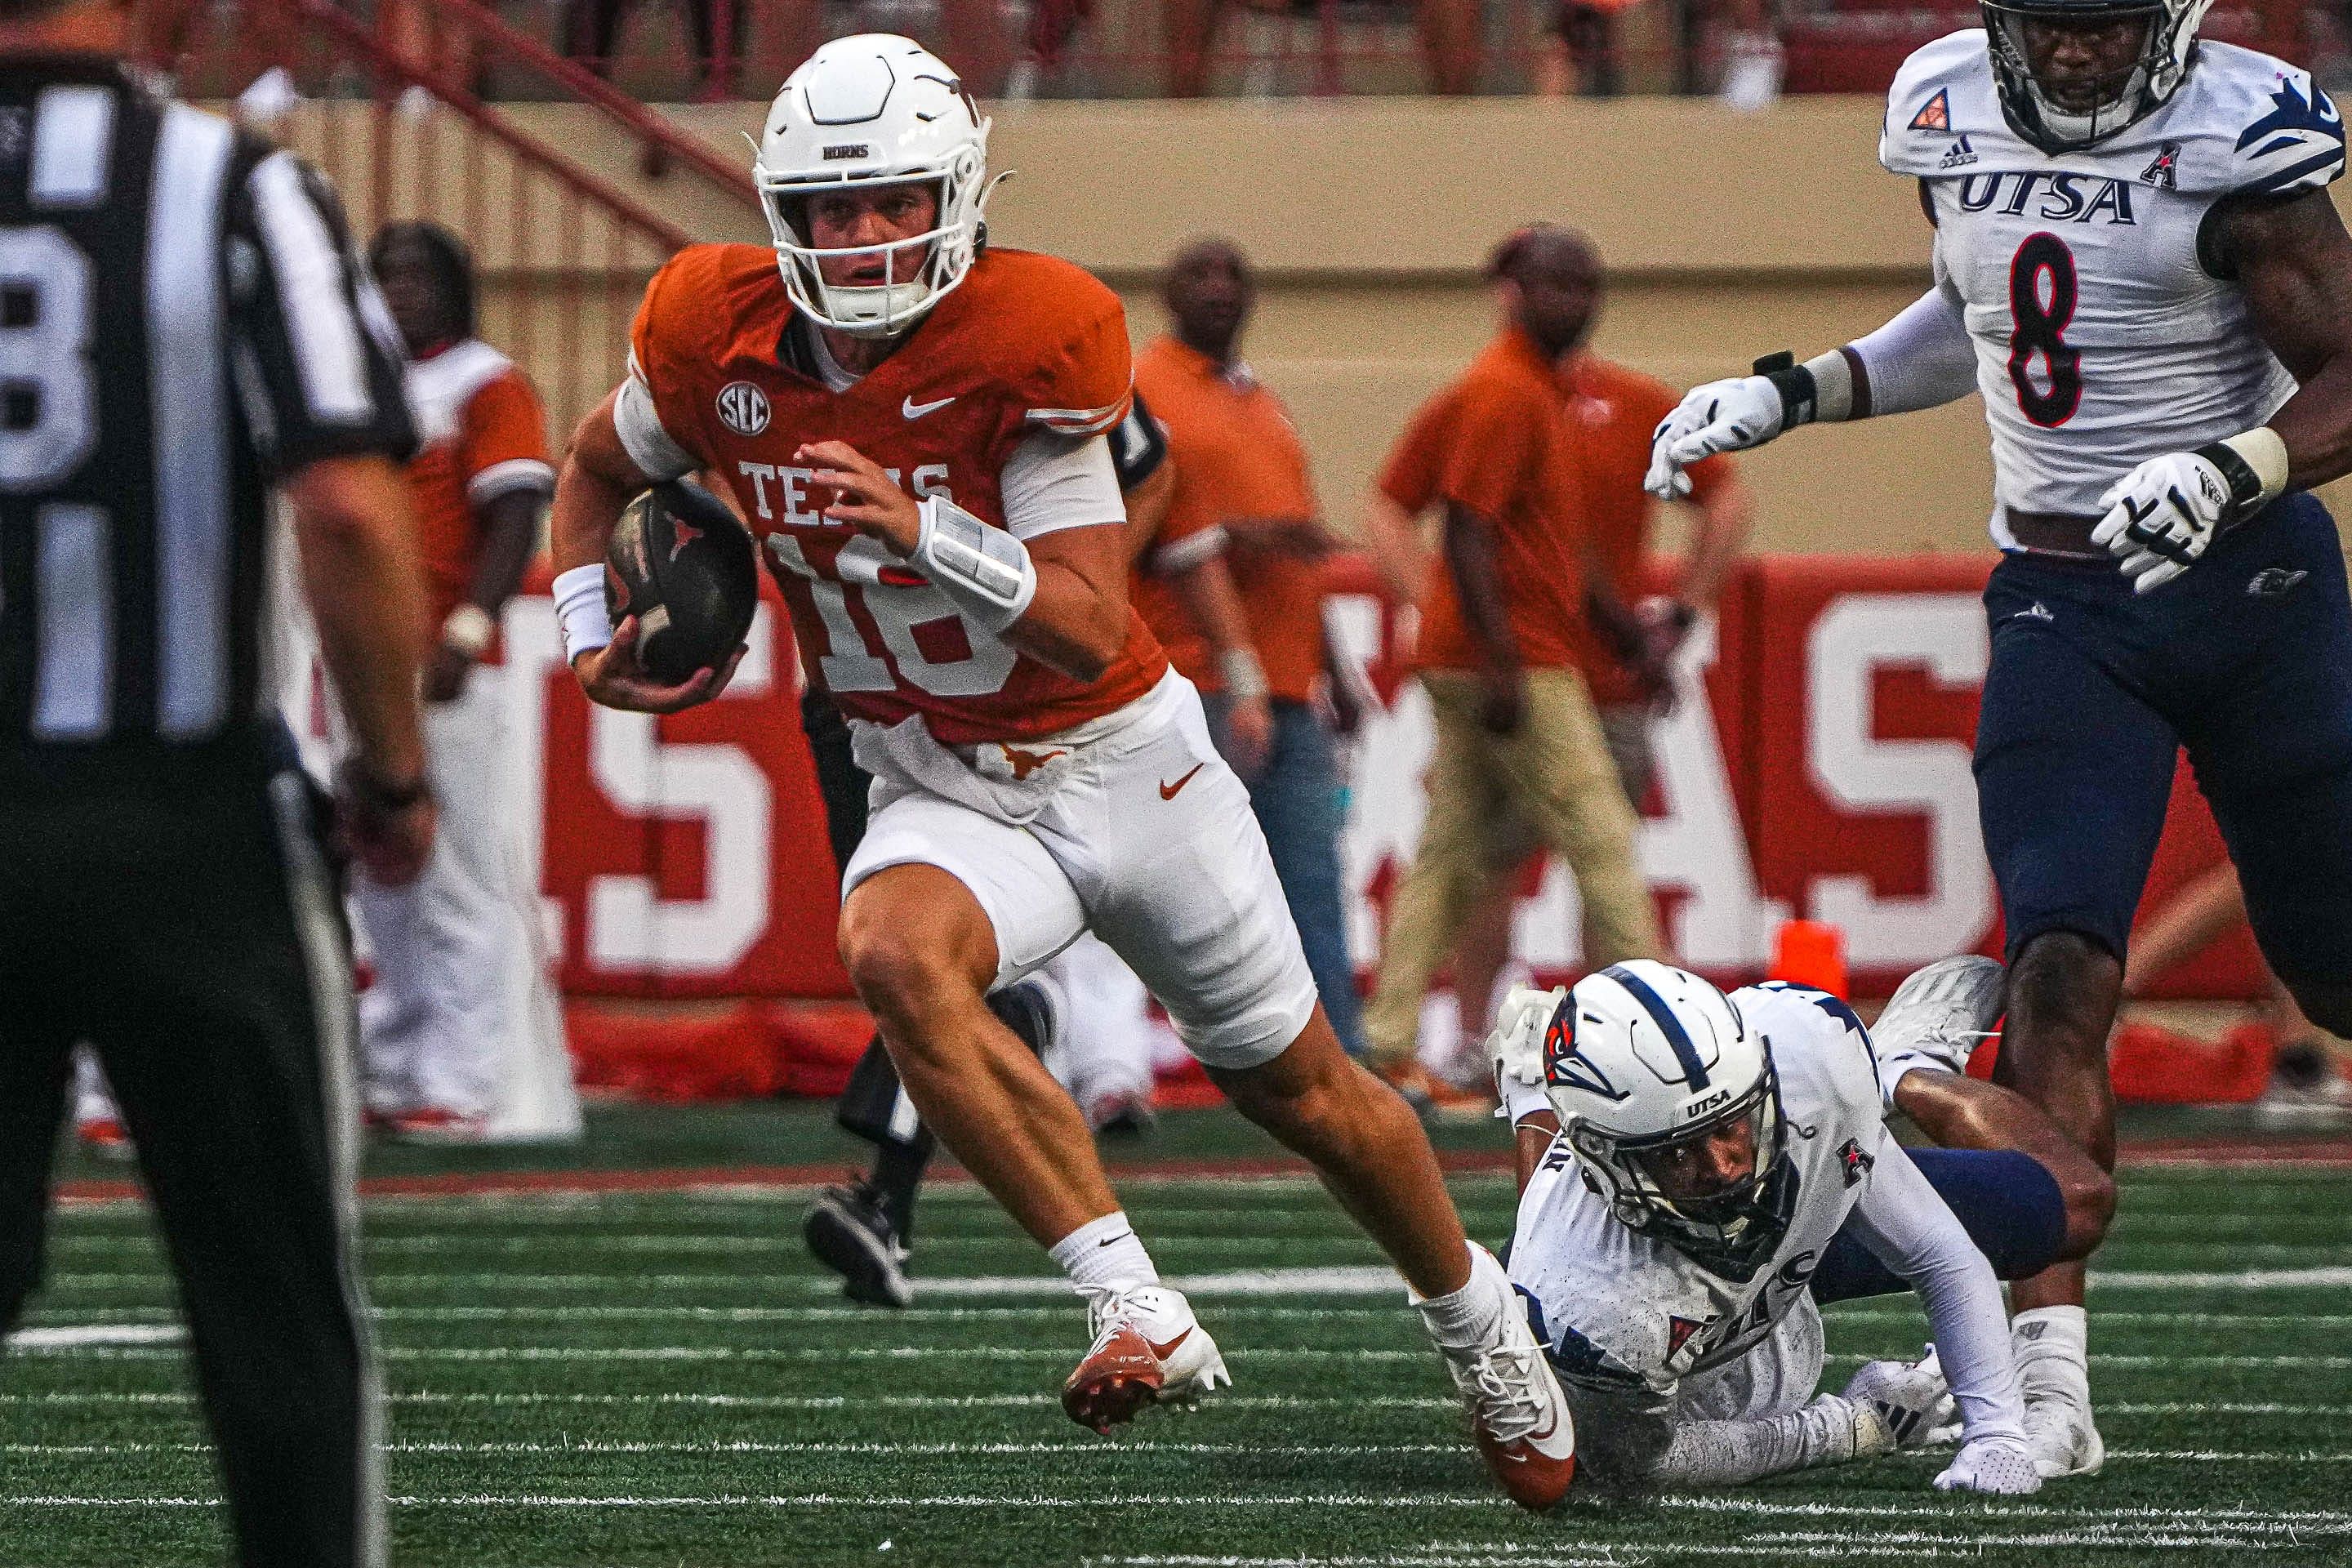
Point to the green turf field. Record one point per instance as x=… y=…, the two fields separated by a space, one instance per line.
x=659 y=1379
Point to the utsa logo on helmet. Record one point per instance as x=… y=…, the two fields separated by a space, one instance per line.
x=1565 y=1067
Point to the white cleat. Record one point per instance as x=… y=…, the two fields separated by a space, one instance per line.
x=1936 y=1017
x=1910 y=1397
x=2062 y=1436
x=1148 y=1349
x=1996 y=1466
x=1517 y=1413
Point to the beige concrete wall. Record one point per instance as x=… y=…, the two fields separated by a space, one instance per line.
x=1728 y=235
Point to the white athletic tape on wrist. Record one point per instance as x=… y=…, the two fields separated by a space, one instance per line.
x=984 y=572
x=1245 y=676
x=2265 y=453
x=580 y=610
x=1832 y=386
x=1519 y=1100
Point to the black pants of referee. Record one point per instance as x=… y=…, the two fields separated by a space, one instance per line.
x=193 y=939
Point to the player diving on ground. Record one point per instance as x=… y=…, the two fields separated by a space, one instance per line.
x=2139 y=269
x=1698 y=1173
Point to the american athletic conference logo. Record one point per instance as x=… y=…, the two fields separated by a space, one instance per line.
x=742 y=408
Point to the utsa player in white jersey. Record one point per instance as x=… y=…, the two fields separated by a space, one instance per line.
x=911 y=421
x=2140 y=271
x=1697 y=1172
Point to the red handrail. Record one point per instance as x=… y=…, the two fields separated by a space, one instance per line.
x=661 y=138
x=362 y=40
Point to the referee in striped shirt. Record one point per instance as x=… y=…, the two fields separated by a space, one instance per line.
x=184 y=327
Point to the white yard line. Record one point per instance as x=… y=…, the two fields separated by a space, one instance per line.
x=1083 y=1448
x=143 y=1348
x=2191 y=1527
x=1353 y=1279
x=1079 y=1449
x=1346 y=1309
x=93 y=1336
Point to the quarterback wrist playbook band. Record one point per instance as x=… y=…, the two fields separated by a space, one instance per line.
x=985 y=573
x=580 y=610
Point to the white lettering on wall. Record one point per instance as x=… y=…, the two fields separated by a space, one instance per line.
x=1699 y=845
x=1854 y=636
x=630 y=925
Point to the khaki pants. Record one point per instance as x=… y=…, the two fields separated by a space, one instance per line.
x=1557 y=776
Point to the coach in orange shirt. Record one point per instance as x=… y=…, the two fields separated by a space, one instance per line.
x=1506 y=628
x=1611 y=412
x=461 y=994
x=1244 y=510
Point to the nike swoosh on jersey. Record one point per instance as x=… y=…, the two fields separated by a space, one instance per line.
x=1168 y=791
x=914 y=410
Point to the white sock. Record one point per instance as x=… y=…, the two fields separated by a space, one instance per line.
x=2053 y=1345
x=1893 y=1071
x=1472 y=1317
x=1708 y=1454
x=1105 y=1251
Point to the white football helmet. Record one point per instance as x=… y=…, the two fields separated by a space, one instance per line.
x=2167 y=48
x=874 y=110
x=1642 y=1060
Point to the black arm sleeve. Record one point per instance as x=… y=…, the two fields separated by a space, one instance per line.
x=317 y=360
x=1137 y=445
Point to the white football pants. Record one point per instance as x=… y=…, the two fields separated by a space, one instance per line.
x=461 y=1004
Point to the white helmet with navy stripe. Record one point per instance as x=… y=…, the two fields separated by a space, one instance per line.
x=1642 y=1063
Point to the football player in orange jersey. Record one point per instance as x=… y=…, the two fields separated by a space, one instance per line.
x=913 y=425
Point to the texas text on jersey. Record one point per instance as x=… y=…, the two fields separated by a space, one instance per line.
x=1622 y=1308
x=1027 y=345
x=2107 y=331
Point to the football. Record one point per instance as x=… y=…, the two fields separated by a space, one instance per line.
x=683 y=565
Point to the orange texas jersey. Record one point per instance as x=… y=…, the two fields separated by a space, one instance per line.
x=1028 y=342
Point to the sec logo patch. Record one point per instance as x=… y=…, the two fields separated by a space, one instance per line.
x=742 y=408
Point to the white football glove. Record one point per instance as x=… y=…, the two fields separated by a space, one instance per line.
x=1515 y=1047
x=1721 y=416
x=1910 y=1397
x=2162 y=516
x=2002 y=1467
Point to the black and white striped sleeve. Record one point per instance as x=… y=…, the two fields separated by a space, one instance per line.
x=316 y=357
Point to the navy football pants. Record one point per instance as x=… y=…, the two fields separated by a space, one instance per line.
x=2009 y=1202
x=2246 y=660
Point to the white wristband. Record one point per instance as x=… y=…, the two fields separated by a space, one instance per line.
x=580 y=610
x=469 y=630
x=1245 y=676
x=985 y=572
x=1520 y=1100
x=1832 y=386
x=2265 y=453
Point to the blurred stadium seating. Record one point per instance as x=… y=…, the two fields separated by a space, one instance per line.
x=1115 y=49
